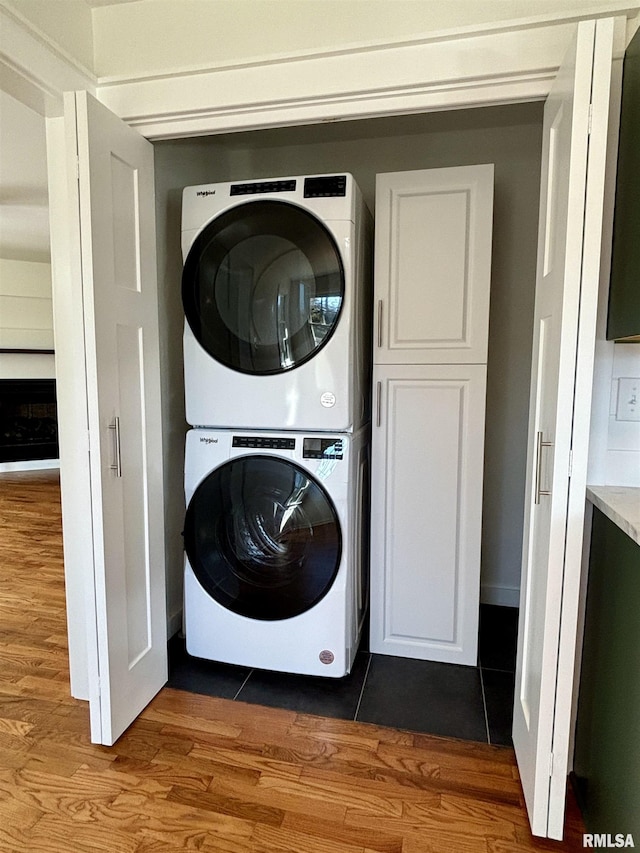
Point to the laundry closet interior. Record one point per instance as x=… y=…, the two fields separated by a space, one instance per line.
x=509 y=137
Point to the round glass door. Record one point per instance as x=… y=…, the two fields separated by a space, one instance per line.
x=262 y=287
x=263 y=538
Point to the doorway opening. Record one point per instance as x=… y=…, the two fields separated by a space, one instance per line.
x=508 y=136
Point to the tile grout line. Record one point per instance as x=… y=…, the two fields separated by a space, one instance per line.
x=364 y=681
x=484 y=706
x=242 y=685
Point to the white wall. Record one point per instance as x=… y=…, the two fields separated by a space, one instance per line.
x=508 y=136
x=615 y=443
x=153 y=36
x=26 y=319
x=24 y=213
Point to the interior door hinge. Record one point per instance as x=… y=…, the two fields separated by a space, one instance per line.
x=550 y=764
x=570 y=462
x=590 y=119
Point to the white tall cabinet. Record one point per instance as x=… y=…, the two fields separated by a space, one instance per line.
x=432 y=278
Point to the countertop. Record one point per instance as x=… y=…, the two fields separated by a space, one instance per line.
x=621 y=504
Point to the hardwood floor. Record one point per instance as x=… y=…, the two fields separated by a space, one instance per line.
x=196 y=773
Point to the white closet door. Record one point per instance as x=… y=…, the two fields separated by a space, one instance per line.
x=427 y=460
x=433 y=265
x=570 y=234
x=114 y=214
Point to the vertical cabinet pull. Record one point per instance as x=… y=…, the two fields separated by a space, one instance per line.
x=117 y=465
x=378 y=403
x=539 y=445
x=379 y=323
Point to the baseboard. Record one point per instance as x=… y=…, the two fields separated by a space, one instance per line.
x=29 y=465
x=503 y=596
x=174 y=624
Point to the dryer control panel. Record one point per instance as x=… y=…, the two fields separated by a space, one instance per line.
x=322 y=448
x=255 y=187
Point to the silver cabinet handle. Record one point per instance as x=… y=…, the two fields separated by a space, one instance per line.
x=539 y=445
x=378 y=403
x=117 y=466
x=379 y=323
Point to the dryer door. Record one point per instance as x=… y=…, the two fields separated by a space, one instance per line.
x=262 y=287
x=263 y=537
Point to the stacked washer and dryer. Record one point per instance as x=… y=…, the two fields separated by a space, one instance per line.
x=277 y=298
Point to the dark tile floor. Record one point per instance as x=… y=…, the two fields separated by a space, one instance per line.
x=471 y=703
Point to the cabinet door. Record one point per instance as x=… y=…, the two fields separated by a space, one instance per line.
x=428 y=439
x=624 y=294
x=433 y=265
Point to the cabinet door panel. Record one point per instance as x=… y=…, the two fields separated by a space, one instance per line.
x=433 y=262
x=426 y=511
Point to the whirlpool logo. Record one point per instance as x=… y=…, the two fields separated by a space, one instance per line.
x=207 y=440
x=205 y=193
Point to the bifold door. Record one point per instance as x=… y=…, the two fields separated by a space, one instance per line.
x=568 y=269
x=112 y=206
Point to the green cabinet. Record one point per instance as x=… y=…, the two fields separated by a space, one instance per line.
x=607 y=746
x=624 y=295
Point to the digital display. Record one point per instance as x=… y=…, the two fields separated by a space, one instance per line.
x=325 y=186
x=322 y=448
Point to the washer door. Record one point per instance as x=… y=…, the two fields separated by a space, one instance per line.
x=262 y=287
x=263 y=537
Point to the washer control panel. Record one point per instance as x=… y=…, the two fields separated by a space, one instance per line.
x=322 y=448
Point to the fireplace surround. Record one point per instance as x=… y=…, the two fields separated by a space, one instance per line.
x=28 y=420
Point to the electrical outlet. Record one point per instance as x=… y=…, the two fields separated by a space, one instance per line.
x=628 y=408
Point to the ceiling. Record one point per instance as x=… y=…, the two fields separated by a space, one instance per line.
x=24 y=214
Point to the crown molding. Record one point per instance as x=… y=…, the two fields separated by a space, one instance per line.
x=608 y=8
x=33 y=68
x=469 y=67
x=503 y=65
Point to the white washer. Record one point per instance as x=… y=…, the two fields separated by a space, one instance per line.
x=276 y=563
x=276 y=290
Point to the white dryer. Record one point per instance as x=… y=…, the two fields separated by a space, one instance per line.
x=276 y=290
x=276 y=532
